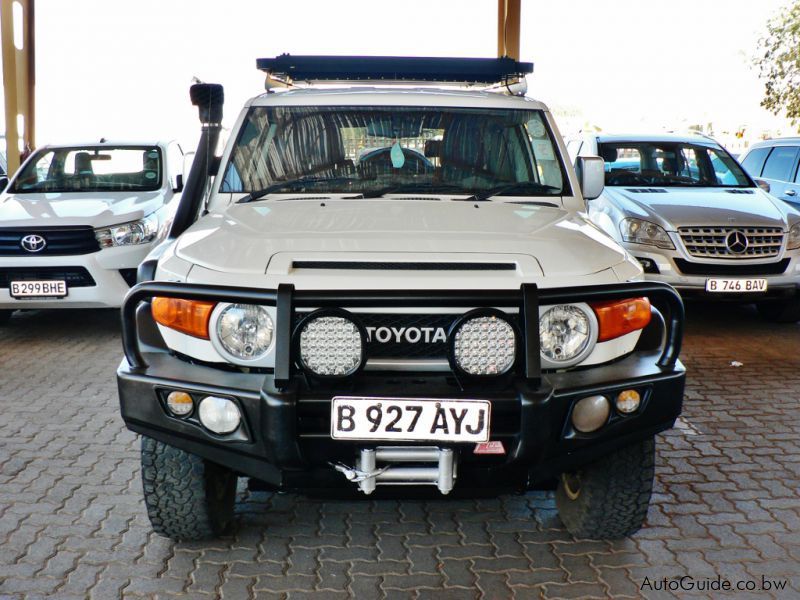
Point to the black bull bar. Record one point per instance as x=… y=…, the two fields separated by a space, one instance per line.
x=527 y=300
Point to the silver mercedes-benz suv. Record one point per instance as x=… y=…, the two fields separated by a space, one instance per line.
x=693 y=218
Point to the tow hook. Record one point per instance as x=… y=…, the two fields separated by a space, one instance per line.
x=438 y=467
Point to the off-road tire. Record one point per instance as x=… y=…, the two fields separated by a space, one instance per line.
x=187 y=498
x=608 y=499
x=5 y=315
x=785 y=311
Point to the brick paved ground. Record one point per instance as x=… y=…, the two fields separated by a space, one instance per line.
x=72 y=522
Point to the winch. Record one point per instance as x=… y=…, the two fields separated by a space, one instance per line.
x=402 y=465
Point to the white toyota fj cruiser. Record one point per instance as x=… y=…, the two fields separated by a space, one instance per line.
x=395 y=285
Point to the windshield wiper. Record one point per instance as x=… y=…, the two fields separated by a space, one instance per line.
x=423 y=188
x=505 y=189
x=291 y=185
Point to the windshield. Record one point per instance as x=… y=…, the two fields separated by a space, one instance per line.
x=376 y=150
x=91 y=169
x=670 y=164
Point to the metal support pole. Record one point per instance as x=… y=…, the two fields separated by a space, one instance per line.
x=17 y=33
x=508 y=27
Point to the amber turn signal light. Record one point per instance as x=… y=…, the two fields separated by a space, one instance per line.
x=187 y=316
x=620 y=317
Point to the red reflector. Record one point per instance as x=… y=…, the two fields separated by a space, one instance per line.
x=489 y=448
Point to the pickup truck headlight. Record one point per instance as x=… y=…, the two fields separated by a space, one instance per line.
x=793 y=239
x=128 y=234
x=638 y=231
x=245 y=331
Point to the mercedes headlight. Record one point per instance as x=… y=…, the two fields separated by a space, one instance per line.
x=793 y=239
x=484 y=345
x=638 y=231
x=129 y=234
x=331 y=345
x=565 y=334
x=245 y=331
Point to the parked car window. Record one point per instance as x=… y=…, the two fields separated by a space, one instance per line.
x=91 y=169
x=780 y=163
x=670 y=164
x=373 y=150
x=753 y=163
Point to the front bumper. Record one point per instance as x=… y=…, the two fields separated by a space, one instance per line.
x=103 y=267
x=285 y=439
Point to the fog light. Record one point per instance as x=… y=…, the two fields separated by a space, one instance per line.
x=590 y=413
x=219 y=415
x=628 y=401
x=180 y=404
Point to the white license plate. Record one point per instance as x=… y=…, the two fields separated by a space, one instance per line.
x=736 y=286
x=411 y=420
x=38 y=289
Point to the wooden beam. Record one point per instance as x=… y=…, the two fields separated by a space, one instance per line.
x=19 y=64
x=508 y=27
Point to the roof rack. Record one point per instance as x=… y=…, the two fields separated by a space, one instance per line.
x=286 y=69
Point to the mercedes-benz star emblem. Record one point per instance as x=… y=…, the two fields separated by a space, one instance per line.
x=736 y=242
x=33 y=243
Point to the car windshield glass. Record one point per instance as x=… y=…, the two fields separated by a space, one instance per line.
x=376 y=150
x=91 y=169
x=664 y=164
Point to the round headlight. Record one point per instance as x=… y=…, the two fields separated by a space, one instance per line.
x=245 y=331
x=564 y=333
x=484 y=345
x=331 y=346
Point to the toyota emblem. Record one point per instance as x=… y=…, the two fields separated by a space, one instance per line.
x=736 y=242
x=33 y=243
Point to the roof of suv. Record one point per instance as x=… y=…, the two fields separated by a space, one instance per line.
x=395 y=96
x=657 y=137
x=775 y=142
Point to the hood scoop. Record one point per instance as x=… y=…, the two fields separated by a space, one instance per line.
x=646 y=190
x=739 y=191
x=360 y=265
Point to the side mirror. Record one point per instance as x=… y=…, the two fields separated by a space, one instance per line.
x=762 y=184
x=178 y=187
x=591 y=175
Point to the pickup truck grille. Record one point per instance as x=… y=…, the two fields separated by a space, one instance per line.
x=718 y=242
x=61 y=241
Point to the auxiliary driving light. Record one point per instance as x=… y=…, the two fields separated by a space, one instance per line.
x=628 y=401
x=484 y=345
x=591 y=413
x=180 y=404
x=331 y=345
x=219 y=415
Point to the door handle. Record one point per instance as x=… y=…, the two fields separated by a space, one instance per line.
x=790 y=193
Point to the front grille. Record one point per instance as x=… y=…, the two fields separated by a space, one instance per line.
x=60 y=241
x=352 y=265
x=74 y=276
x=690 y=268
x=378 y=324
x=711 y=242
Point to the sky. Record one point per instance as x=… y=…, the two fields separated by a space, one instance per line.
x=122 y=68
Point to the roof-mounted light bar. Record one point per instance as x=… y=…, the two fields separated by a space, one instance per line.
x=384 y=69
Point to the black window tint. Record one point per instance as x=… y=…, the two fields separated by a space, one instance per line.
x=780 y=163
x=754 y=161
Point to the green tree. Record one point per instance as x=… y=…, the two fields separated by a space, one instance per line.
x=778 y=61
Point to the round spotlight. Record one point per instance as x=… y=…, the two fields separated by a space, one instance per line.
x=591 y=413
x=628 y=401
x=219 y=415
x=484 y=344
x=565 y=334
x=331 y=344
x=245 y=331
x=180 y=404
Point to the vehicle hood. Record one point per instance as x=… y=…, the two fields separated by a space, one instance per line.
x=265 y=237
x=676 y=207
x=97 y=209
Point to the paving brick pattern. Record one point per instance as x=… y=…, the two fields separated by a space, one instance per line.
x=73 y=524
